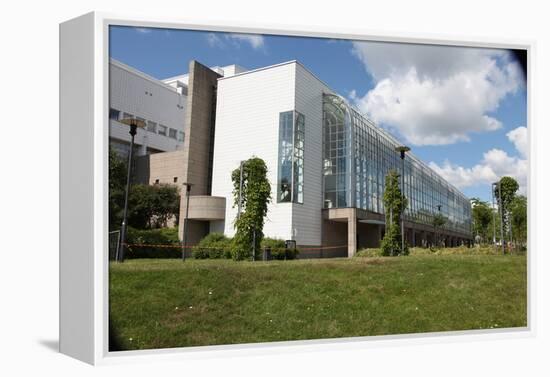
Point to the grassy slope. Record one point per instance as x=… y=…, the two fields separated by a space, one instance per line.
x=167 y=303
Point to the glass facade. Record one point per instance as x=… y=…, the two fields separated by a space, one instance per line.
x=336 y=153
x=290 y=181
x=357 y=157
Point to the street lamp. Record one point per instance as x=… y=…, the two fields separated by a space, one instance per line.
x=241 y=165
x=493 y=186
x=134 y=124
x=437 y=230
x=402 y=149
x=186 y=220
x=500 y=213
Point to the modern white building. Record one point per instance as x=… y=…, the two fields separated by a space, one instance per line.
x=259 y=102
x=133 y=94
x=161 y=104
x=326 y=162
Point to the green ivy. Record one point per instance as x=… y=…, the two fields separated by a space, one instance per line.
x=394 y=204
x=256 y=195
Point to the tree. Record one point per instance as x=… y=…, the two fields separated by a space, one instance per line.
x=150 y=206
x=482 y=216
x=255 y=196
x=494 y=225
x=518 y=210
x=117 y=183
x=394 y=204
x=505 y=193
x=438 y=221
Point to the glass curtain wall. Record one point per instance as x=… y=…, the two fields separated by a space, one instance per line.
x=357 y=155
x=290 y=185
x=337 y=152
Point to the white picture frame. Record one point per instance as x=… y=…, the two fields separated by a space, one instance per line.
x=84 y=58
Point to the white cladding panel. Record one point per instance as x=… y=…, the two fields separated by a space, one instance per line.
x=307 y=218
x=135 y=93
x=247 y=124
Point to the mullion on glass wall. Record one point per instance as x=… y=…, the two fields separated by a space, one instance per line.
x=290 y=183
x=371 y=155
x=298 y=163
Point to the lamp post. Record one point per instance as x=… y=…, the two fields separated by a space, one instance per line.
x=500 y=212
x=493 y=187
x=186 y=220
x=402 y=149
x=240 y=190
x=437 y=230
x=134 y=124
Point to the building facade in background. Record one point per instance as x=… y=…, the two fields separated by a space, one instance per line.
x=133 y=94
x=326 y=162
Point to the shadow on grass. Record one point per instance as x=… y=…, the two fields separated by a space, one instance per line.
x=114 y=339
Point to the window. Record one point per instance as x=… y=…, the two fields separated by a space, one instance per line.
x=151 y=126
x=299 y=133
x=162 y=130
x=172 y=133
x=156 y=181
x=290 y=182
x=175 y=179
x=181 y=136
x=337 y=154
x=114 y=114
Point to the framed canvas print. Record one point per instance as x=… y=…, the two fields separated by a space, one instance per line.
x=227 y=189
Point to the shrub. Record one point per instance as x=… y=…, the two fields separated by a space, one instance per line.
x=391 y=243
x=213 y=246
x=278 y=249
x=161 y=236
x=369 y=253
x=274 y=243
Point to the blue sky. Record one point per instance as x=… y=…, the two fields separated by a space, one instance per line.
x=462 y=110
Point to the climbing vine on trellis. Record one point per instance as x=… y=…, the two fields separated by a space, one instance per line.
x=255 y=196
x=394 y=205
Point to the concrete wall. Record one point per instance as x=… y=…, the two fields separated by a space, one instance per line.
x=165 y=167
x=198 y=148
x=335 y=233
x=199 y=123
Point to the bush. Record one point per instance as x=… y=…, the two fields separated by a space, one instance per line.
x=278 y=249
x=161 y=236
x=369 y=253
x=213 y=246
x=391 y=243
x=459 y=250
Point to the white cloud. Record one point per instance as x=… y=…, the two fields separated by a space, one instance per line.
x=255 y=40
x=214 y=40
x=143 y=30
x=518 y=136
x=495 y=164
x=435 y=95
x=218 y=40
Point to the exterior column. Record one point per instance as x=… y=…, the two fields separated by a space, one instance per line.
x=425 y=237
x=352 y=232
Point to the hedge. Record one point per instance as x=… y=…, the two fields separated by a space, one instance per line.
x=160 y=236
x=278 y=249
x=213 y=246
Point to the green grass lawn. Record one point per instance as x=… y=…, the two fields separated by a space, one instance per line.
x=167 y=303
